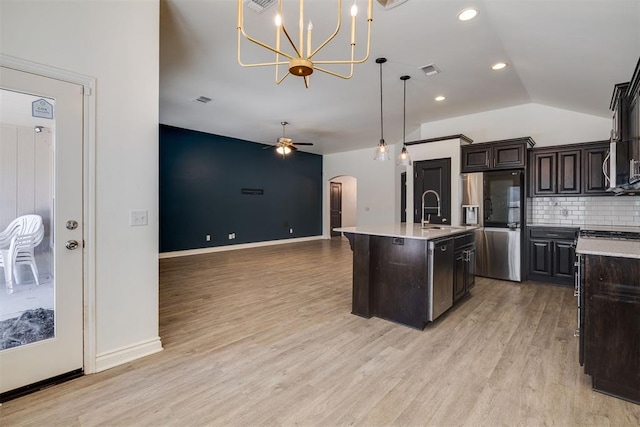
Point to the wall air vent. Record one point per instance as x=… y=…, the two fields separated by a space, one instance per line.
x=390 y=4
x=430 y=70
x=203 y=99
x=260 y=5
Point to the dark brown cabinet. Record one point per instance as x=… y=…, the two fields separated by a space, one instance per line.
x=495 y=155
x=476 y=158
x=464 y=267
x=612 y=325
x=410 y=280
x=552 y=254
x=543 y=173
x=592 y=160
x=568 y=170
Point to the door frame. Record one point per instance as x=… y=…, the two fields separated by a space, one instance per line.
x=88 y=192
x=331 y=208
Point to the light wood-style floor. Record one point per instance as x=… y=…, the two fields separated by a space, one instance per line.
x=265 y=337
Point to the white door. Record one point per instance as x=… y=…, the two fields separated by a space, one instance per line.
x=41 y=182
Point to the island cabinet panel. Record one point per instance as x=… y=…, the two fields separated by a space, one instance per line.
x=361 y=302
x=398 y=274
x=612 y=325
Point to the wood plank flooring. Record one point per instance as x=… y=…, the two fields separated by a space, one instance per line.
x=265 y=337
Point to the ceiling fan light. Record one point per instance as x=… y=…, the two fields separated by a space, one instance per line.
x=283 y=150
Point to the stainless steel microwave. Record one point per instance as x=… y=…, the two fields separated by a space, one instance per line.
x=622 y=171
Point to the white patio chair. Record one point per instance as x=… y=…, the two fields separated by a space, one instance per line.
x=26 y=236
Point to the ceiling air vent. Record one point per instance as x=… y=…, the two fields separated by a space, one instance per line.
x=390 y=4
x=203 y=99
x=260 y=5
x=430 y=70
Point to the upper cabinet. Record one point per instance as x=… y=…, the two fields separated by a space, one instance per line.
x=624 y=164
x=495 y=155
x=568 y=170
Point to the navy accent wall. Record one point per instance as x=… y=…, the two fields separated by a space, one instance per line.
x=201 y=178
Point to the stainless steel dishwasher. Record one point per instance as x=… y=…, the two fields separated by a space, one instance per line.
x=440 y=277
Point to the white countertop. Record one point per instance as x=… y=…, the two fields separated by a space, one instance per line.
x=608 y=247
x=407 y=231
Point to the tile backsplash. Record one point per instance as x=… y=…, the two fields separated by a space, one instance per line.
x=576 y=211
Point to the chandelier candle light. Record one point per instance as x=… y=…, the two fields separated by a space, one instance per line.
x=299 y=63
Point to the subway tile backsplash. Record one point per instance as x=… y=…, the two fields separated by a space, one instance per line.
x=577 y=211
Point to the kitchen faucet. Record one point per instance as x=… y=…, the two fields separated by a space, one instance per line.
x=422 y=221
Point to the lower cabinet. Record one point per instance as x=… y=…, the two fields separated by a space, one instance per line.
x=612 y=325
x=552 y=254
x=465 y=266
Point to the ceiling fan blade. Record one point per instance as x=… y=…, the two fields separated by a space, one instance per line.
x=302 y=143
x=268 y=146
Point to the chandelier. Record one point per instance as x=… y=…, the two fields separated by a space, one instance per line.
x=299 y=62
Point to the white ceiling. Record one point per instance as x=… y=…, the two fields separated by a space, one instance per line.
x=562 y=53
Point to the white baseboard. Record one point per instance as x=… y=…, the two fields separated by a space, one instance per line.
x=127 y=354
x=235 y=247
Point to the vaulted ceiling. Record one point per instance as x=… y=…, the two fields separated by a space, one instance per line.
x=562 y=53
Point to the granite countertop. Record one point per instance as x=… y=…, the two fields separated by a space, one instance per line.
x=608 y=247
x=408 y=231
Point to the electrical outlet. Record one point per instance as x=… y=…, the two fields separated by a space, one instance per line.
x=139 y=218
x=208 y=237
x=232 y=236
x=291 y=231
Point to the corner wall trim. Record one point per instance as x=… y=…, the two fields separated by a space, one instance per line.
x=235 y=247
x=126 y=354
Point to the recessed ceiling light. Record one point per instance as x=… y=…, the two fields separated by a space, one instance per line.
x=467 y=14
x=440 y=98
x=499 y=66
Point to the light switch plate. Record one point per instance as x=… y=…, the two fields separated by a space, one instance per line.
x=139 y=218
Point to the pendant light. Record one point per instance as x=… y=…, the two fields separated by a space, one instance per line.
x=403 y=158
x=382 y=150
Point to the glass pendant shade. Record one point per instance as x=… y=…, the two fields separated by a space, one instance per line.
x=403 y=158
x=382 y=151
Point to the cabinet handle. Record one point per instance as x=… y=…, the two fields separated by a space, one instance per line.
x=576 y=333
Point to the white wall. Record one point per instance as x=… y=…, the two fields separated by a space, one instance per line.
x=379 y=182
x=449 y=148
x=349 y=199
x=376 y=190
x=546 y=125
x=117 y=42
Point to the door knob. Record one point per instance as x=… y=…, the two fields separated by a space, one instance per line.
x=71 y=244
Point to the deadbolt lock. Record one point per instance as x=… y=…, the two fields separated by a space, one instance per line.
x=72 y=224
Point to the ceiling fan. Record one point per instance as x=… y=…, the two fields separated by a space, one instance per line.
x=286 y=145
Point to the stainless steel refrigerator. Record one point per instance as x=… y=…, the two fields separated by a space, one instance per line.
x=493 y=201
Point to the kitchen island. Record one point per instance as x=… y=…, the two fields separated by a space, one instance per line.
x=409 y=274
